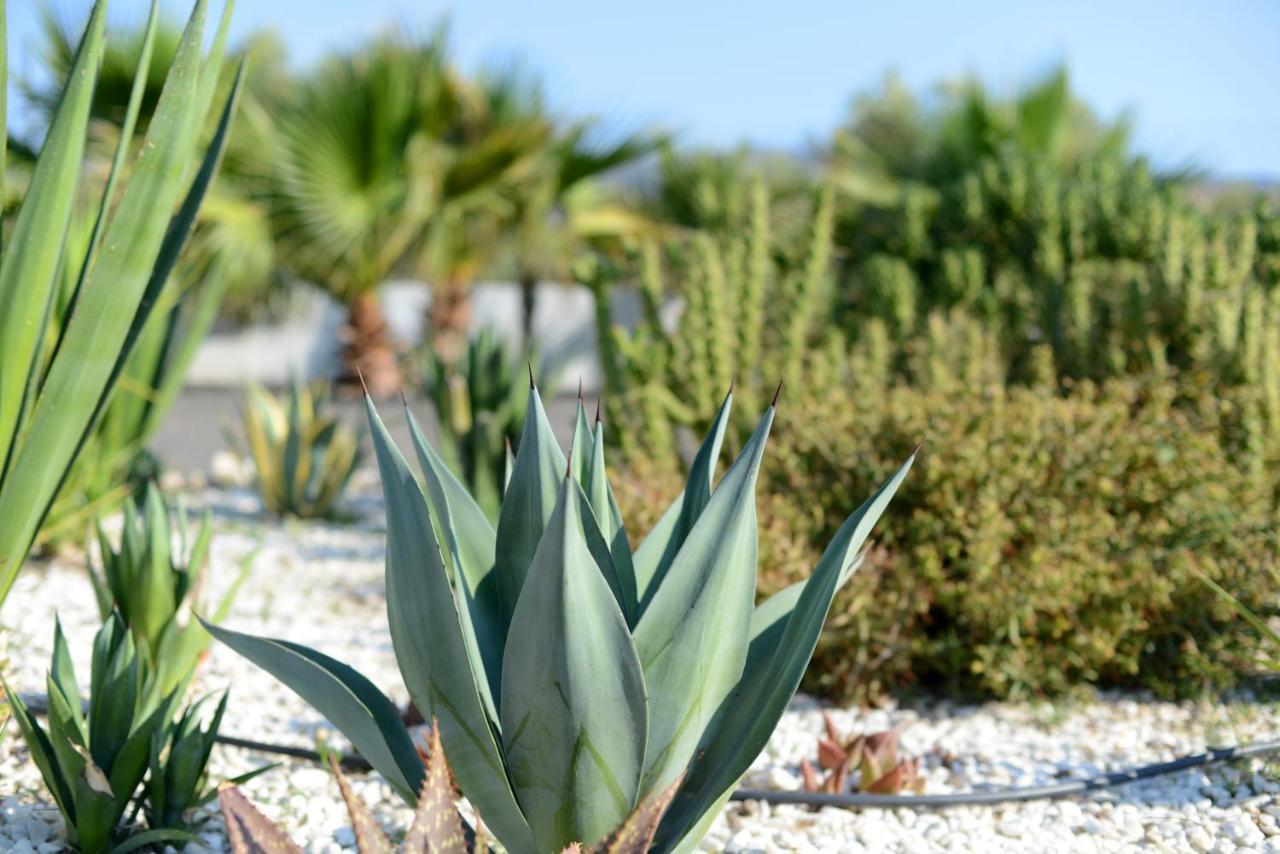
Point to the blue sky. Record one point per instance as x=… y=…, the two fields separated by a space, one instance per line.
x=1202 y=78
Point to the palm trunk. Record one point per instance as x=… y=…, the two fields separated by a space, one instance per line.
x=368 y=352
x=528 y=305
x=449 y=318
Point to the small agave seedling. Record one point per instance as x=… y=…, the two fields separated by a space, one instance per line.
x=572 y=678
x=479 y=402
x=303 y=457
x=93 y=762
x=874 y=757
x=179 y=756
x=437 y=826
x=155 y=587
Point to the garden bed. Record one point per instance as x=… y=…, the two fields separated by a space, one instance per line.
x=321 y=585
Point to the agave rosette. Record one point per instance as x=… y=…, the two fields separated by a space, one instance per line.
x=574 y=679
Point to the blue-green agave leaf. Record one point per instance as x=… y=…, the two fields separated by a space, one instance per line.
x=693 y=637
x=748 y=717
x=573 y=697
x=604 y=507
x=469 y=539
x=654 y=556
x=347 y=699
x=430 y=647
x=527 y=504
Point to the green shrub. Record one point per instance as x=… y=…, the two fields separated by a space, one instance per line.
x=1044 y=542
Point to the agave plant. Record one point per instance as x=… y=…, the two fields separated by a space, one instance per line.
x=92 y=761
x=177 y=779
x=61 y=367
x=437 y=826
x=479 y=402
x=572 y=678
x=156 y=587
x=303 y=457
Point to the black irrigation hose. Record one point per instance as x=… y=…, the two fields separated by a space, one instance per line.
x=1012 y=794
x=1006 y=795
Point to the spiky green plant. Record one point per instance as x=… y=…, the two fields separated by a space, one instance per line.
x=177 y=780
x=93 y=761
x=57 y=378
x=156 y=584
x=479 y=402
x=748 y=294
x=303 y=457
x=572 y=678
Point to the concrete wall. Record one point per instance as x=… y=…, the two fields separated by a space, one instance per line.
x=307 y=343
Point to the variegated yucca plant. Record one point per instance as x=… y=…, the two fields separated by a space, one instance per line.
x=59 y=368
x=303 y=457
x=573 y=679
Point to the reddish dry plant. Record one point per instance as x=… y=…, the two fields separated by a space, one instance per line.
x=874 y=756
x=437 y=826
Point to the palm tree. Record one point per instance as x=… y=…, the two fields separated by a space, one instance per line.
x=566 y=210
x=393 y=163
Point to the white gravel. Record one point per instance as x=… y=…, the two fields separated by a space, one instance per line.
x=321 y=585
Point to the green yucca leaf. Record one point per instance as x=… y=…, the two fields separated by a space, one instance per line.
x=693 y=636
x=527 y=504
x=429 y=643
x=469 y=540
x=659 y=549
x=34 y=248
x=348 y=700
x=139 y=247
x=126 y=134
x=750 y=714
x=573 y=698
x=93 y=762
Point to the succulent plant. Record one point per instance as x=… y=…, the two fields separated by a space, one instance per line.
x=572 y=678
x=479 y=401
x=155 y=587
x=93 y=761
x=177 y=762
x=304 y=458
x=874 y=757
x=51 y=396
x=437 y=826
